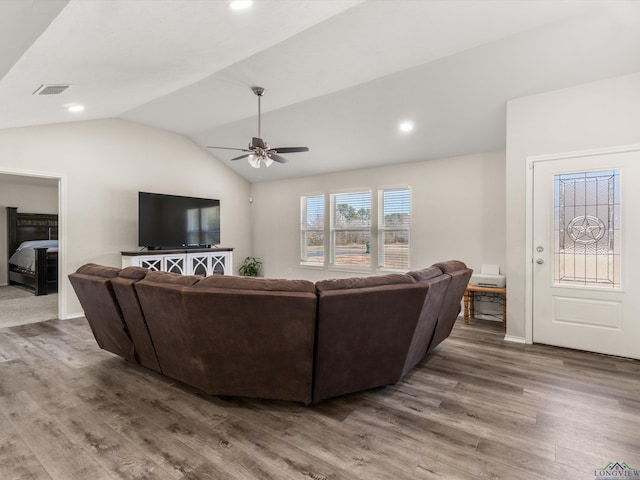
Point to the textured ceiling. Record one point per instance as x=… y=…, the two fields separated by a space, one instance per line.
x=339 y=74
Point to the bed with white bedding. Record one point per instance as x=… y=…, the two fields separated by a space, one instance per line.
x=25 y=256
x=33 y=250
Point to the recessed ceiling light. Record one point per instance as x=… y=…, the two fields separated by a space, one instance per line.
x=240 y=4
x=406 y=126
x=76 y=108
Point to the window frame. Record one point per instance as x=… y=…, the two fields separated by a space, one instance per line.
x=333 y=230
x=376 y=230
x=382 y=229
x=305 y=229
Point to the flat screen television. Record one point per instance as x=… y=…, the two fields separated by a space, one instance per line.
x=172 y=221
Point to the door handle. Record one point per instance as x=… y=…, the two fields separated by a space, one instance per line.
x=539 y=261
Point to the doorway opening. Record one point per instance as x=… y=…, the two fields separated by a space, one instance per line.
x=38 y=193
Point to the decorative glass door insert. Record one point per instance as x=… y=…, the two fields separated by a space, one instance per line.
x=587 y=229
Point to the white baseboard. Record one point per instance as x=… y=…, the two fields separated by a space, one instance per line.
x=514 y=339
x=69 y=316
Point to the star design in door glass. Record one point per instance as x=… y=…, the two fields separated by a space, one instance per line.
x=586 y=229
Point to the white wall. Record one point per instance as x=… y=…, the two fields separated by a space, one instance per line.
x=104 y=163
x=458 y=212
x=28 y=199
x=586 y=117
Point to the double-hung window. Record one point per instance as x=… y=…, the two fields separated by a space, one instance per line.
x=351 y=229
x=394 y=222
x=355 y=229
x=312 y=230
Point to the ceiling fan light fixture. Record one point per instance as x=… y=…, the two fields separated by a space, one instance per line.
x=260 y=151
x=254 y=161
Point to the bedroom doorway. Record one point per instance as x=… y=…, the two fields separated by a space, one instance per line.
x=38 y=193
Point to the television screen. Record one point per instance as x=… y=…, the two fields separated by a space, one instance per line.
x=171 y=221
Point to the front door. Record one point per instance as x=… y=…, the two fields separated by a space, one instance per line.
x=586 y=264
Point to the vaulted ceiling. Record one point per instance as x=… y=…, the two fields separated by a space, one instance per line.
x=339 y=74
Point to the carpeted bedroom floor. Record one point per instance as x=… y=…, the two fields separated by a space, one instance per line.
x=19 y=306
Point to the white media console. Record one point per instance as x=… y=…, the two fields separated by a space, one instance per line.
x=201 y=261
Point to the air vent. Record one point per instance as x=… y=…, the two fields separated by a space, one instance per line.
x=50 y=89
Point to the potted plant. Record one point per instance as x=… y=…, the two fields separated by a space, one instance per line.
x=250 y=267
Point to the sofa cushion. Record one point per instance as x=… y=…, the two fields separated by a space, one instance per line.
x=125 y=292
x=252 y=283
x=92 y=284
x=451 y=307
x=364 y=282
x=428 y=321
x=98 y=270
x=363 y=336
x=244 y=342
x=133 y=273
x=172 y=279
x=450 y=266
x=425 y=273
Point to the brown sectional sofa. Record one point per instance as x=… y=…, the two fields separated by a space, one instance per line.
x=267 y=338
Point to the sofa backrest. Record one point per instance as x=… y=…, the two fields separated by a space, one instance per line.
x=363 y=282
x=364 y=330
x=160 y=296
x=92 y=284
x=252 y=337
x=438 y=284
x=124 y=289
x=270 y=338
x=460 y=276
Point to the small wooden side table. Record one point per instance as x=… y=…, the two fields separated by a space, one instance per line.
x=468 y=301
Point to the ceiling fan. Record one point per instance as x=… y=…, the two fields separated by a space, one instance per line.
x=259 y=150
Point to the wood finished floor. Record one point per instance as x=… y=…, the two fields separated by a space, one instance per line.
x=478 y=407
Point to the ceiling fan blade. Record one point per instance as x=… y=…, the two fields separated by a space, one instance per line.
x=277 y=158
x=240 y=157
x=258 y=142
x=290 y=149
x=229 y=148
